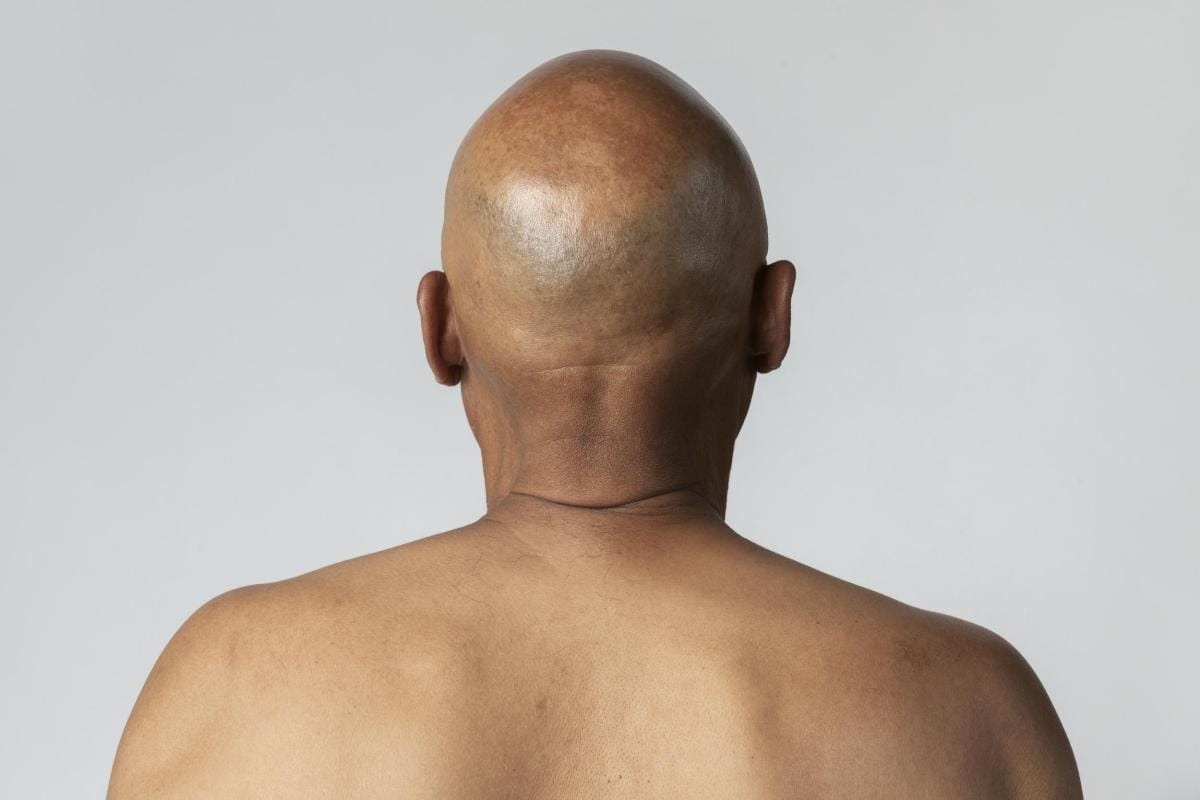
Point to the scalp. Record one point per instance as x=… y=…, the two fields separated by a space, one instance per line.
x=601 y=198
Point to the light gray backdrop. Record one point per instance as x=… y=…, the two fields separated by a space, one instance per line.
x=214 y=216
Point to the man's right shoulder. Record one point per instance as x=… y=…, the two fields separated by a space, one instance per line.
x=1034 y=754
x=935 y=689
x=966 y=678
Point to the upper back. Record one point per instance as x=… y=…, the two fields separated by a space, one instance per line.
x=465 y=665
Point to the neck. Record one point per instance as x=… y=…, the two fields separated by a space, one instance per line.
x=666 y=506
x=608 y=438
x=610 y=469
x=628 y=471
x=637 y=532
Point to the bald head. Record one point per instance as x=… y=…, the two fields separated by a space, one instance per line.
x=600 y=210
x=605 y=301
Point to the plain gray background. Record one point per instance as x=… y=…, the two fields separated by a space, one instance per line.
x=215 y=214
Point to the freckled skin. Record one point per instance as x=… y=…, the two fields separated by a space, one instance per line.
x=600 y=632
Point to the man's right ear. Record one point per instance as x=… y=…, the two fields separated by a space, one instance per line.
x=443 y=348
x=771 y=327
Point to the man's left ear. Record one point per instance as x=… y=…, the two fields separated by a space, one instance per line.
x=443 y=348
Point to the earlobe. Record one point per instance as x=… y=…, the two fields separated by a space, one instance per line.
x=772 y=324
x=443 y=349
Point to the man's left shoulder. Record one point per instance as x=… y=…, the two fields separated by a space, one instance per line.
x=198 y=698
x=252 y=673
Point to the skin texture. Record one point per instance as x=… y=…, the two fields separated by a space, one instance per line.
x=606 y=306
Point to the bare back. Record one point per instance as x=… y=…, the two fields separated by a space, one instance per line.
x=606 y=306
x=481 y=663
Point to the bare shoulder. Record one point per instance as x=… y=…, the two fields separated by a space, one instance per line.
x=942 y=706
x=253 y=672
x=1033 y=756
x=189 y=698
x=956 y=700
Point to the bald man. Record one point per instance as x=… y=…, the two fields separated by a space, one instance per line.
x=600 y=632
